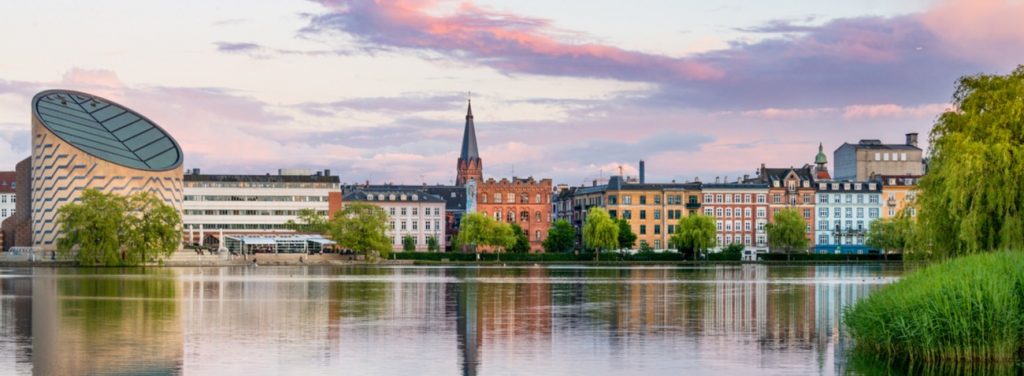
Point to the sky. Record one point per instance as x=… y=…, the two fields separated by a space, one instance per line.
x=570 y=90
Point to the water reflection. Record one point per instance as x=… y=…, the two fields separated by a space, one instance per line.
x=434 y=320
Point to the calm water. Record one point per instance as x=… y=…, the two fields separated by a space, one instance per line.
x=750 y=319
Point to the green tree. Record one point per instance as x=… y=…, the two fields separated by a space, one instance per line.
x=522 y=243
x=600 y=232
x=645 y=247
x=310 y=221
x=153 y=228
x=408 y=243
x=695 y=233
x=478 y=230
x=788 y=231
x=627 y=239
x=432 y=244
x=891 y=235
x=561 y=237
x=971 y=200
x=110 y=229
x=362 y=227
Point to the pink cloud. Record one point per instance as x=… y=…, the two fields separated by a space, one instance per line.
x=988 y=29
x=876 y=111
x=502 y=40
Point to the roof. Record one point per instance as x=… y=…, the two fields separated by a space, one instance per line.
x=821 y=158
x=847 y=186
x=878 y=145
x=454 y=196
x=773 y=174
x=106 y=130
x=7 y=181
x=469 y=149
x=267 y=178
x=735 y=186
x=391 y=196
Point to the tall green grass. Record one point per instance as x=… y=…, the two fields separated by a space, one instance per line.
x=969 y=309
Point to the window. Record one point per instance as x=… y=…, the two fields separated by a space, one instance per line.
x=536 y=235
x=807 y=212
x=822 y=198
x=746 y=226
x=391 y=210
x=483 y=198
x=537 y=199
x=728 y=225
x=892 y=211
x=613 y=213
x=426 y=225
x=511 y=216
x=873 y=199
x=878 y=156
x=643 y=199
x=611 y=200
x=849 y=212
x=671 y=229
x=657 y=213
x=511 y=197
x=823 y=212
x=718 y=226
x=643 y=229
x=903 y=156
x=860 y=212
x=707 y=198
x=746 y=240
x=777 y=198
x=719 y=198
x=760 y=198
x=657 y=243
x=403 y=211
x=719 y=213
x=746 y=213
x=728 y=239
x=728 y=212
x=415 y=211
x=822 y=239
x=728 y=199
x=746 y=198
x=415 y=225
x=761 y=213
x=657 y=199
x=627 y=200
x=403 y=225
x=849 y=198
x=860 y=199
x=497 y=198
x=822 y=225
x=657 y=229
x=497 y=215
x=392 y=225
x=709 y=212
x=627 y=214
x=538 y=217
x=808 y=199
x=643 y=214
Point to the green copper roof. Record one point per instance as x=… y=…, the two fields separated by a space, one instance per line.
x=820 y=158
x=106 y=130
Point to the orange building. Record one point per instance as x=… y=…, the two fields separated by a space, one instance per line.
x=524 y=201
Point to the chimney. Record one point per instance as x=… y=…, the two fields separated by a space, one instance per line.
x=327 y=172
x=912 y=139
x=641 y=171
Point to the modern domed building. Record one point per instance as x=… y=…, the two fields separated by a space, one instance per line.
x=82 y=141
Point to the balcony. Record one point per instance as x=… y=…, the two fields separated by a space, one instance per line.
x=693 y=205
x=891 y=202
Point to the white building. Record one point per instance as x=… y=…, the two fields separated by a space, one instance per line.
x=845 y=212
x=410 y=213
x=246 y=205
x=7 y=200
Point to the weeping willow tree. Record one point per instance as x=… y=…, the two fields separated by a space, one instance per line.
x=972 y=198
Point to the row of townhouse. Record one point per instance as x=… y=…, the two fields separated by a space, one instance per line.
x=837 y=212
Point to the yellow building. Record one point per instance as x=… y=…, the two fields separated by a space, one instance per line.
x=652 y=209
x=898 y=192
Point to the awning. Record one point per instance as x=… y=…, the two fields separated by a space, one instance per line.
x=321 y=241
x=257 y=241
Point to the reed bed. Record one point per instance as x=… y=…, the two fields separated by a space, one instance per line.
x=969 y=309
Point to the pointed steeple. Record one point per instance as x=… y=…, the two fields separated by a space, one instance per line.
x=469 y=150
x=469 y=166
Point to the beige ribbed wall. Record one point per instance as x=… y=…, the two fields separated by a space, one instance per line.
x=60 y=172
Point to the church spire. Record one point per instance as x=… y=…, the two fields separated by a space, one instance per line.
x=469 y=150
x=469 y=166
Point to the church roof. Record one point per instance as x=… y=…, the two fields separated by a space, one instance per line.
x=469 y=150
x=821 y=158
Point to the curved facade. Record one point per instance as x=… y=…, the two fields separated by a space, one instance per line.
x=82 y=141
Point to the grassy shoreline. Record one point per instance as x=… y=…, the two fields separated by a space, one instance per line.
x=969 y=309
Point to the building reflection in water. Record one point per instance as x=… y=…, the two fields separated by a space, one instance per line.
x=432 y=320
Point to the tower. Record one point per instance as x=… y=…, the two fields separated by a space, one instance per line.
x=821 y=164
x=470 y=166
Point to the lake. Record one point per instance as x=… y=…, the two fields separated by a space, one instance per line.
x=413 y=320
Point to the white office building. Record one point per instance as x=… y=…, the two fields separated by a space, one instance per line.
x=248 y=205
x=845 y=212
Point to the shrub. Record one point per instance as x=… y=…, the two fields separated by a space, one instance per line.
x=967 y=309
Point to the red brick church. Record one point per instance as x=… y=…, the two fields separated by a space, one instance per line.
x=525 y=201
